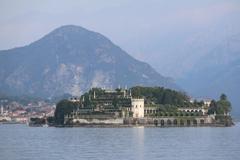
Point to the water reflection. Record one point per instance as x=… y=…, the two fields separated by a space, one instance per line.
x=138 y=134
x=18 y=142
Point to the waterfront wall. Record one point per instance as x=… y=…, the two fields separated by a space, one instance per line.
x=98 y=121
x=171 y=121
x=147 y=121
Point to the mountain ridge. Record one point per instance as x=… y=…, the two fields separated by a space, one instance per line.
x=70 y=60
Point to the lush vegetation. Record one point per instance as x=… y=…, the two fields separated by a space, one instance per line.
x=63 y=108
x=160 y=95
x=220 y=107
x=37 y=121
x=166 y=101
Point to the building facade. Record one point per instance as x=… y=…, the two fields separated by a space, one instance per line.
x=137 y=107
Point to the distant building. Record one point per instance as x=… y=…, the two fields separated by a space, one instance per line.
x=206 y=101
x=102 y=104
x=202 y=110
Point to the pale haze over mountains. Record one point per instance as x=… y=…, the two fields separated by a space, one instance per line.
x=194 y=42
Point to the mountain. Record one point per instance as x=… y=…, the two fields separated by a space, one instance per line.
x=217 y=72
x=71 y=60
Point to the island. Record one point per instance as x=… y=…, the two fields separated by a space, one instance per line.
x=141 y=106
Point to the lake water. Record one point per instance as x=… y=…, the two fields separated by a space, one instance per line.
x=20 y=142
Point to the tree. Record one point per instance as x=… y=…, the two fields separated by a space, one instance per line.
x=64 y=107
x=213 y=107
x=223 y=105
x=223 y=97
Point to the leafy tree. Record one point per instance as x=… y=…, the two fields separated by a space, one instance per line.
x=223 y=97
x=213 y=107
x=223 y=105
x=160 y=95
x=64 y=107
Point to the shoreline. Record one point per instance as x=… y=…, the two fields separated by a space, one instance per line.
x=137 y=126
x=125 y=125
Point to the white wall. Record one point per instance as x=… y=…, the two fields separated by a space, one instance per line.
x=137 y=108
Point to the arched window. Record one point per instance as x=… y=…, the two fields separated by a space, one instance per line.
x=181 y=122
x=194 y=122
x=169 y=122
x=175 y=122
x=162 y=122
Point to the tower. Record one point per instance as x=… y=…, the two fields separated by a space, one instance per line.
x=94 y=95
x=137 y=108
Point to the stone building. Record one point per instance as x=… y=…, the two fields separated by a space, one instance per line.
x=107 y=104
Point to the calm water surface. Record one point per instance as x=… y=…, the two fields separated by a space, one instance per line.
x=20 y=142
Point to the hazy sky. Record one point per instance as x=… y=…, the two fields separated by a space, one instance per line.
x=147 y=29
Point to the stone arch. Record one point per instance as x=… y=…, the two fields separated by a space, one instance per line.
x=155 y=122
x=162 y=122
x=194 y=122
x=175 y=122
x=125 y=121
x=188 y=122
x=169 y=122
x=202 y=121
x=181 y=122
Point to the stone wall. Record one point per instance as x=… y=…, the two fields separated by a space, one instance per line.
x=137 y=108
x=98 y=121
x=171 y=121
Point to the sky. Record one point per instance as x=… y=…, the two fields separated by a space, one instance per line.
x=155 y=31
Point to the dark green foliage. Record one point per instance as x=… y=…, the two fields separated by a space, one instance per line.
x=36 y=121
x=130 y=113
x=64 y=107
x=223 y=97
x=160 y=95
x=222 y=106
x=198 y=104
x=213 y=107
x=50 y=120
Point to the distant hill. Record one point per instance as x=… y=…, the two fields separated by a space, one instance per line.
x=71 y=60
x=217 y=72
